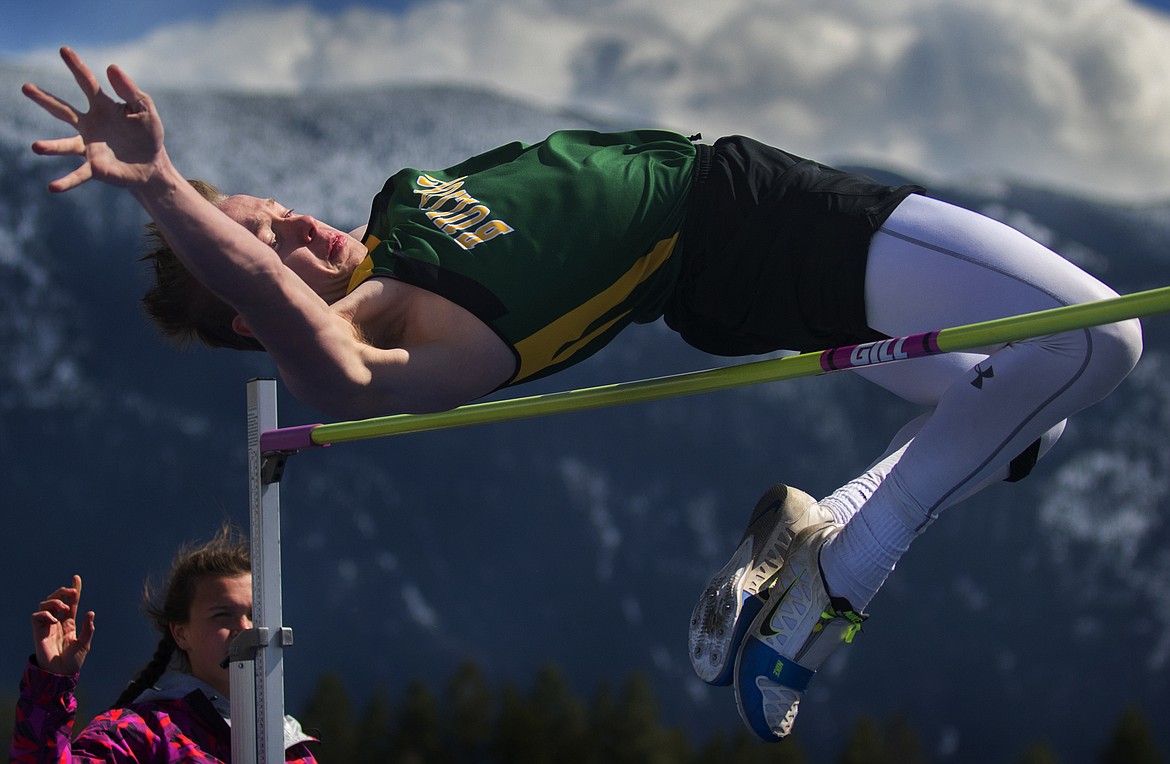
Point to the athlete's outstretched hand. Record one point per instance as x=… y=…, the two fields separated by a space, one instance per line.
x=120 y=141
x=60 y=647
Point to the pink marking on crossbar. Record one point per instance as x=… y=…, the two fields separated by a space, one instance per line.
x=289 y=439
x=881 y=351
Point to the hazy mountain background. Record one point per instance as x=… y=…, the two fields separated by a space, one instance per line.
x=1035 y=611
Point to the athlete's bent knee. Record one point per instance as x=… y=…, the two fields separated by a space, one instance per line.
x=1123 y=342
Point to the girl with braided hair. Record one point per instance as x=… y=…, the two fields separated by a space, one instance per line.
x=178 y=707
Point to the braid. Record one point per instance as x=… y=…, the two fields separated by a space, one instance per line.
x=149 y=674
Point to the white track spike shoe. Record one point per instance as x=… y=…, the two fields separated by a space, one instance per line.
x=798 y=628
x=732 y=597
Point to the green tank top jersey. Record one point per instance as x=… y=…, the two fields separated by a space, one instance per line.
x=556 y=246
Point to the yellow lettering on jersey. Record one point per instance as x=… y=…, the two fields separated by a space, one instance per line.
x=568 y=334
x=434 y=189
x=461 y=222
x=488 y=230
x=434 y=195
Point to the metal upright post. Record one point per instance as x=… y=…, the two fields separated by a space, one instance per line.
x=256 y=658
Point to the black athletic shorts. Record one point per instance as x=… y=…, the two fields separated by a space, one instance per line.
x=774 y=249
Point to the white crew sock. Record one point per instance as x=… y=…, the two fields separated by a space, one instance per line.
x=857 y=562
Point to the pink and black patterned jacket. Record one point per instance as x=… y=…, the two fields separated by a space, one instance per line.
x=165 y=725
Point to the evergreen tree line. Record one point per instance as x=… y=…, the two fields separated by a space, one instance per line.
x=469 y=722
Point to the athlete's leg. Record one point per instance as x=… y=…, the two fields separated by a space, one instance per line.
x=843 y=503
x=933 y=265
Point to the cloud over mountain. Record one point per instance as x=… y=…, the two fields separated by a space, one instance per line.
x=1070 y=93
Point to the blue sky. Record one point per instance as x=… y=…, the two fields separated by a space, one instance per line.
x=1067 y=93
x=30 y=25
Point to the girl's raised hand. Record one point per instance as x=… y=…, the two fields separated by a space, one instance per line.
x=60 y=647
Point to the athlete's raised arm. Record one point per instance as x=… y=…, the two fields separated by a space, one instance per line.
x=264 y=262
x=121 y=143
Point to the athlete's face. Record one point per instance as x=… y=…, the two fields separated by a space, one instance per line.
x=221 y=609
x=321 y=255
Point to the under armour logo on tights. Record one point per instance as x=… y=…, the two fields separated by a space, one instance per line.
x=980 y=375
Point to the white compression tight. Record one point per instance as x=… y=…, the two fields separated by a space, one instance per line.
x=933 y=265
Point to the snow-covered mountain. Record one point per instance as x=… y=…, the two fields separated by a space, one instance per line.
x=1034 y=611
